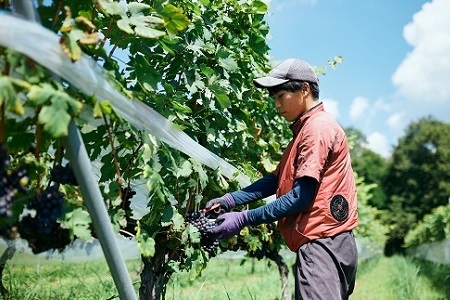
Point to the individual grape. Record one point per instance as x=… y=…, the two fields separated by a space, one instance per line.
x=63 y=175
x=19 y=180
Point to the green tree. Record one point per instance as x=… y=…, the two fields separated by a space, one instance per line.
x=418 y=177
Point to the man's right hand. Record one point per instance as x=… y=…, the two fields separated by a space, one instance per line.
x=226 y=202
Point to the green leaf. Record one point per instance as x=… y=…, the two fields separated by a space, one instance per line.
x=69 y=44
x=124 y=25
x=198 y=264
x=147 y=32
x=202 y=175
x=259 y=6
x=207 y=71
x=55 y=120
x=55 y=116
x=221 y=95
x=167 y=215
x=185 y=170
x=146 y=243
x=9 y=96
x=40 y=95
x=137 y=8
x=174 y=18
x=79 y=221
x=112 y=8
x=97 y=111
x=178 y=221
x=228 y=64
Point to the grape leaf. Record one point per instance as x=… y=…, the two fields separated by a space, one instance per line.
x=146 y=243
x=79 y=222
x=55 y=120
x=9 y=96
x=174 y=19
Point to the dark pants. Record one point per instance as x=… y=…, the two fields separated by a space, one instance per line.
x=326 y=268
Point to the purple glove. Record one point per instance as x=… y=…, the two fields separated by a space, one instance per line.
x=229 y=224
x=226 y=202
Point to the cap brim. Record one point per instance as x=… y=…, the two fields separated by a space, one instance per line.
x=266 y=82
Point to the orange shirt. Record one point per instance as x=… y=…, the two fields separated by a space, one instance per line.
x=314 y=134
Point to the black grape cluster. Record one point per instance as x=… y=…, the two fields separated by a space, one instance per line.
x=11 y=182
x=43 y=232
x=204 y=224
x=49 y=207
x=63 y=175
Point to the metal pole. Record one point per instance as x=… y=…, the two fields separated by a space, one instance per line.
x=97 y=209
x=91 y=193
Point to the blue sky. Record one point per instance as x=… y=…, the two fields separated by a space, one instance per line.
x=396 y=66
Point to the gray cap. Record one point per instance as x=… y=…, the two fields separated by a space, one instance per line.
x=286 y=70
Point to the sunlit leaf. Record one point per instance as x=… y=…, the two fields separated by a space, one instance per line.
x=70 y=47
x=124 y=25
x=148 y=32
x=79 y=221
x=174 y=19
x=185 y=170
x=9 y=96
x=137 y=7
x=229 y=64
x=55 y=120
x=146 y=243
x=112 y=7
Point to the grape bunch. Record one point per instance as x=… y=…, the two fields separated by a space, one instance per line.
x=49 y=207
x=11 y=182
x=42 y=231
x=63 y=175
x=204 y=224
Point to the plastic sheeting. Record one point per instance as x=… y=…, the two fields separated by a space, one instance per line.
x=42 y=45
x=438 y=251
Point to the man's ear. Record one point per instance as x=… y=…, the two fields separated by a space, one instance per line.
x=305 y=88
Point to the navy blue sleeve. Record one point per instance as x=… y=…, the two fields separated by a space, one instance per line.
x=295 y=201
x=260 y=189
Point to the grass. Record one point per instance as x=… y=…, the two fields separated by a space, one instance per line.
x=384 y=278
x=398 y=278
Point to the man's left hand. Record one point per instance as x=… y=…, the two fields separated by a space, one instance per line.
x=229 y=224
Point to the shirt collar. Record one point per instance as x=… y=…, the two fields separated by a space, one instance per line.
x=301 y=119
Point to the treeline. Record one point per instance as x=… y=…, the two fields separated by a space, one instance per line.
x=411 y=189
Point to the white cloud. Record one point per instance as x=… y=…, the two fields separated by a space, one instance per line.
x=424 y=74
x=332 y=107
x=378 y=143
x=396 y=121
x=359 y=108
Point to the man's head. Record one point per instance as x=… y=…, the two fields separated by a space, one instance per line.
x=294 y=86
x=287 y=71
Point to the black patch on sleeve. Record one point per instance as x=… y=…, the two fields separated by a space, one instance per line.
x=339 y=208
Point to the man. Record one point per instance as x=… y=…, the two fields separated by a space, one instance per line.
x=314 y=185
